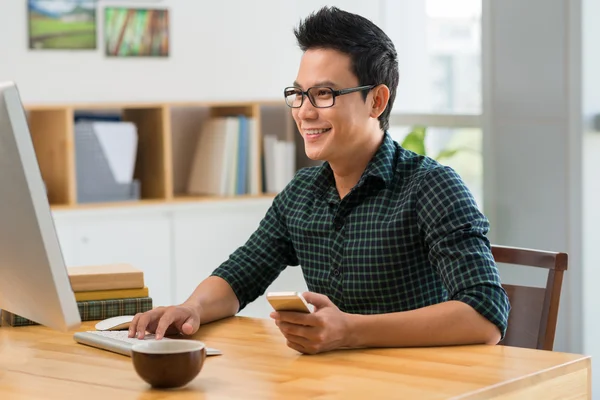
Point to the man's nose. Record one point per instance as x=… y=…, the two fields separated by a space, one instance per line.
x=307 y=110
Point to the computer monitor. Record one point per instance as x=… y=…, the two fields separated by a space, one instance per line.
x=34 y=282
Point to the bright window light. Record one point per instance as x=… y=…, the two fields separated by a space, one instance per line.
x=453 y=9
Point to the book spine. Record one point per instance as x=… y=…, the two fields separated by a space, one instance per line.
x=125 y=280
x=94 y=310
x=111 y=294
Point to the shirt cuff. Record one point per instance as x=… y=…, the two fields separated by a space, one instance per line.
x=235 y=283
x=489 y=301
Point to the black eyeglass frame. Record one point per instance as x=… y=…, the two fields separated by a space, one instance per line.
x=334 y=92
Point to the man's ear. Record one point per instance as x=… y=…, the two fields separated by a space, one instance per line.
x=381 y=96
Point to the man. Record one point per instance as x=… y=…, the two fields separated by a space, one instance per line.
x=391 y=244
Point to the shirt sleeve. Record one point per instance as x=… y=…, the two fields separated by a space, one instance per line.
x=455 y=234
x=251 y=268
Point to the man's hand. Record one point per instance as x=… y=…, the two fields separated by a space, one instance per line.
x=323 y=330
x=165 y=320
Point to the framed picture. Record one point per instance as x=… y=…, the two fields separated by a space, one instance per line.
x=62 y=24
x=133 y=32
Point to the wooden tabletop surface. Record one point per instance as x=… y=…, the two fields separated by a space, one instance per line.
x=36 y=362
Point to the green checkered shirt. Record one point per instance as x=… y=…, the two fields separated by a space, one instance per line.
x=408 y=235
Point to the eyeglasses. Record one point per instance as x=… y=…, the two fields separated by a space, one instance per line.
x=319 y=96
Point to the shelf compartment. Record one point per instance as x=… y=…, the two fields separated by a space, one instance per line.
x=153 y=166
x=53 y=141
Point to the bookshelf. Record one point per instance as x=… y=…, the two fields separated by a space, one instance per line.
x=167 y=138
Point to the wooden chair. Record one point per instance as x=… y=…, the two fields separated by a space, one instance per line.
x=534 y=311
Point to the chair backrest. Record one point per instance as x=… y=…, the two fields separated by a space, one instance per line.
x=534 y=311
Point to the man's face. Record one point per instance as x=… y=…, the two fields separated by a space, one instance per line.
x=337 y=133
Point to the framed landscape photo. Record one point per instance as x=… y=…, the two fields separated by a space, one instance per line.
x=62 y=24
x=133 y=32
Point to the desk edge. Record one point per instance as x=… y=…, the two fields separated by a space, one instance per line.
x=522 y=381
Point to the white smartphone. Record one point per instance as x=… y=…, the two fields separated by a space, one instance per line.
x=288 y=301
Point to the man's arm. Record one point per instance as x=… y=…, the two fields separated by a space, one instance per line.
x=213 y=299
x=449 y=323
x=328 y=328
x=454 y=232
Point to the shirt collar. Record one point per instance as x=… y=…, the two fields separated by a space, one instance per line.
x=381 y=167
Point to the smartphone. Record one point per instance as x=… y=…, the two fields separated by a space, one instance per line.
x=288 y=301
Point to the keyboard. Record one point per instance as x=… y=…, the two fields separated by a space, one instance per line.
x=119 y=342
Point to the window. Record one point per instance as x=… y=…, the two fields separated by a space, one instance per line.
x=439 y=55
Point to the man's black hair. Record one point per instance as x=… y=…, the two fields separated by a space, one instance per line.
x=373 y=55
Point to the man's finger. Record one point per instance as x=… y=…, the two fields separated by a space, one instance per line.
x=143 y=324
x=163 y=324
x=296 y=347
x=190 y=326
x=307 y=332
x=316 y=299
x=300 y=340
x=133 y=325
x=298 y=318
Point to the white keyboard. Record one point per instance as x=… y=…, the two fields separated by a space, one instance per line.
x=119 y=341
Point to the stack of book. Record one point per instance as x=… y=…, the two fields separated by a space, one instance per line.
x=102 y=292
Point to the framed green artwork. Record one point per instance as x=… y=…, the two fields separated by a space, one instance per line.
x=62 y=24
x=134 y=32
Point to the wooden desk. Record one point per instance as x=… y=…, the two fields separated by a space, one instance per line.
x=38 y=363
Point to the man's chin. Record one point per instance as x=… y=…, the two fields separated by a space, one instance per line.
x=314 y=155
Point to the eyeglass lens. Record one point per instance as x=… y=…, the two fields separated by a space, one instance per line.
x=320 y=97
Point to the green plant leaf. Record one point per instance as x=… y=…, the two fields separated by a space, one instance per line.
x=449 y=153
x=446 y=153
x=415 y=140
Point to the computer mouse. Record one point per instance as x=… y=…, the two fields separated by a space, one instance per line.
x=114 y=323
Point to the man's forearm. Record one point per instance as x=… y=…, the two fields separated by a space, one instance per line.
x=448 y=323
x=213 y=299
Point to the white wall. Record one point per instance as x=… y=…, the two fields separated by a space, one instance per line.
x=231 y=49
x=591 y=183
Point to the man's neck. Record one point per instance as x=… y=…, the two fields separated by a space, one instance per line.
x=347 y=172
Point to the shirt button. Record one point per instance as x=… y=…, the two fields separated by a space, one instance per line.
x=339 y=224
x=336 y=272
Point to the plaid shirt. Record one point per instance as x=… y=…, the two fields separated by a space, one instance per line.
x=408 y=235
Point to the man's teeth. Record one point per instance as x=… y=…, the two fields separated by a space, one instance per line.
x=315 y=131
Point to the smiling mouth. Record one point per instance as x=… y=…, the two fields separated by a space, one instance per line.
x=314 y=132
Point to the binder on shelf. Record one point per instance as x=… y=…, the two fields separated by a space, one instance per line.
x=105 y=154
